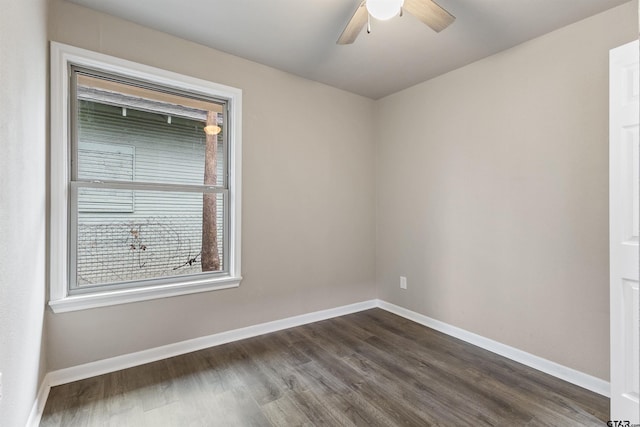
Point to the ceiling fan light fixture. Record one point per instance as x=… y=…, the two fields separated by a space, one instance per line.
x=384 y=9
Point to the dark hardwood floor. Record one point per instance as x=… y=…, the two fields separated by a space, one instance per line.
x=367 y=369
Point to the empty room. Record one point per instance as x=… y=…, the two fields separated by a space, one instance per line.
x=321 y=212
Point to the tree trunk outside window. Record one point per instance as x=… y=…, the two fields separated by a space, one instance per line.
x=210 y=257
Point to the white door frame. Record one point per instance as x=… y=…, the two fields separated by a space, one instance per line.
x=624 y=188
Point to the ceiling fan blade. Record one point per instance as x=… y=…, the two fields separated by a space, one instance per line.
x=353 y=28
x=430 y=13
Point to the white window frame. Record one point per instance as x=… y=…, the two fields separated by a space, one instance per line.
x=62 y=57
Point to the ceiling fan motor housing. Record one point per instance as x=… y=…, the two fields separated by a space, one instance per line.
x=384 y=9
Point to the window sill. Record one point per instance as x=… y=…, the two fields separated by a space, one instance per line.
x=104 y=299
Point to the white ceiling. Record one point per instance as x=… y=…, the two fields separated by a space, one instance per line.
x=299 y=36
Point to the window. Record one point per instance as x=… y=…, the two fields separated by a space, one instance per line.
x=145 y=182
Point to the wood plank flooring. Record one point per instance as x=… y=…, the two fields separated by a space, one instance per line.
x=365 y=369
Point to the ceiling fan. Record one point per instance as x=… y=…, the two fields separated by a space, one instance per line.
x=427 y=11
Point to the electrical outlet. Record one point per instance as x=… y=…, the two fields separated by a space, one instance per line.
x=403 y=282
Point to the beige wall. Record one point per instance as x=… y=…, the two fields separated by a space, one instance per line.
x=308 y=199
x=492 y=194
x=23 y=112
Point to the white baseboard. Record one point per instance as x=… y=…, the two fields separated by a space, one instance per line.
x=578 y=378
x=92 y=369
x=38 y=405
x=125 y=361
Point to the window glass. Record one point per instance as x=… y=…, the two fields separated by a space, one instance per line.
x=111 y=162
x=148 y=183
x=163 y=238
